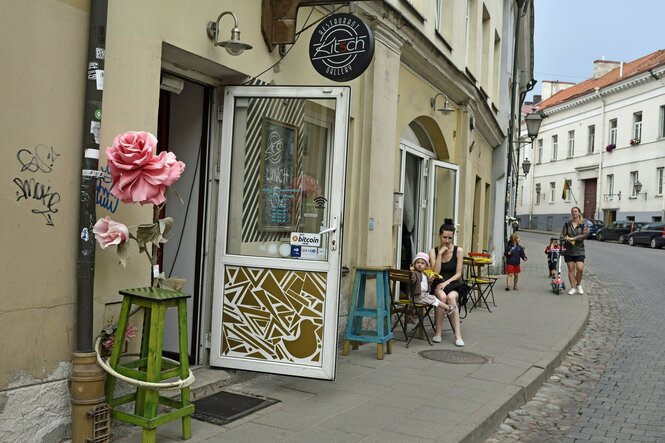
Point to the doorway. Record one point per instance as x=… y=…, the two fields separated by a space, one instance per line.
x=590 y=187
x=183 y=128
x=430 y=189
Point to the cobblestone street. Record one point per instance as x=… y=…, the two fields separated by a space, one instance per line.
x=609 y=388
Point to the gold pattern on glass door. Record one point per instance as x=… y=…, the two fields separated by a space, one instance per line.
x=273 y=314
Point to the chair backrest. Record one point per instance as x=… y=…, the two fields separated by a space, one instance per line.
x=404 y=279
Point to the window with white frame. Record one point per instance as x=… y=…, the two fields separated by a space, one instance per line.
x=613 y=131
x=634 y=177
x=571 y=144
x=538 y=189
x=637 y=128
x=661 y=127
x=539 y=144
x=610 y=185
x=555 y=146
x=566 y=190
x=552 y=191
x=591 y=139
x=659 y=181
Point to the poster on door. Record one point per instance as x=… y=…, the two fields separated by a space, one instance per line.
x=277 y=196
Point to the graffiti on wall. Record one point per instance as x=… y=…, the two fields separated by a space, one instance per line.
x=104 y=198
x=33 y=190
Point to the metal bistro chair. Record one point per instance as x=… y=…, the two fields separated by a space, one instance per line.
x=406 y=303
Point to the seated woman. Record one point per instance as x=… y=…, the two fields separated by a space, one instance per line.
x=448 y=260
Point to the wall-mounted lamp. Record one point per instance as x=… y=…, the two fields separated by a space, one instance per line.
x=526 y=166
x=638 y=187
x=234 y=46
x=533 y=121
x=446 y=109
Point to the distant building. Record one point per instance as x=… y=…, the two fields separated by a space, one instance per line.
x=604 y=138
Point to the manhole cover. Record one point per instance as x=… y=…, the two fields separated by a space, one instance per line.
x=455 y=357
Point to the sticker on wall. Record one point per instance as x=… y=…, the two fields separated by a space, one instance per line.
x=341 y=47
x=99 y=77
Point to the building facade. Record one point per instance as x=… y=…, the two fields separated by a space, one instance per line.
x=601 y=148
x=370 y=168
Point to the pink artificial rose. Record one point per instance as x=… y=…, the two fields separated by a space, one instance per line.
x=138 y=175
x=108 y=232
x=130 y=151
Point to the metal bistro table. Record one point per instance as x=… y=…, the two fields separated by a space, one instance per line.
x=483 y=284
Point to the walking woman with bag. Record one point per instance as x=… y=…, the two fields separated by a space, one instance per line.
x=573 y=233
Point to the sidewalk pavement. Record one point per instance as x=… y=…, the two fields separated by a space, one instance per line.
x=405 y=397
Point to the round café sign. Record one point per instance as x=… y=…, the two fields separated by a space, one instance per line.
x=341 y=48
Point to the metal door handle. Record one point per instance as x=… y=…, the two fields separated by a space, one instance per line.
x=325 y=231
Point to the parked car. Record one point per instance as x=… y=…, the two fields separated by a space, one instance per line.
x=619 y=230
x=652 y=234
x=593 y=226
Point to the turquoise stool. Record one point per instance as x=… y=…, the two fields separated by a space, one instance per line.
x=151 y=367
x=357 y=311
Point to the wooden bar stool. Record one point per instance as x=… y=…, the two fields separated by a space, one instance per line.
x=151 y=368
x=357 y=311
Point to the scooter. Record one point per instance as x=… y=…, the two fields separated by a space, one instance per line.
x=557 y=282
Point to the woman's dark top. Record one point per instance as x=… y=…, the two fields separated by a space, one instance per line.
x=576 y=249
x=448 y=269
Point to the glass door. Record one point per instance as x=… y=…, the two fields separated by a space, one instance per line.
x=277 y=265
x=443 y=192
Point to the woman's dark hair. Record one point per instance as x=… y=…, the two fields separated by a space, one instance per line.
x=447 y=225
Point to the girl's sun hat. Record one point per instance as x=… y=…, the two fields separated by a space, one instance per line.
x=421 y=256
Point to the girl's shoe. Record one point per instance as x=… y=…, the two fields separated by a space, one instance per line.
x=515 y=288
x=507 y=288
x=436 y=339
x=459 y=342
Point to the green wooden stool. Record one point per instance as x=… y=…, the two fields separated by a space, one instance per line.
x=151 y=367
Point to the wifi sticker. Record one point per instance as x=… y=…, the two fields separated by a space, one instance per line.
x=320 y=202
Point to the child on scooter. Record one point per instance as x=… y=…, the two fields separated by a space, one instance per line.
x=552 y=250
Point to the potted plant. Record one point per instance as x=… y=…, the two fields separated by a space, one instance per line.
x=610 y=147
x=635 y=141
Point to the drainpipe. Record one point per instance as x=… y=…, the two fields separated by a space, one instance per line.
x=599 y=190
x=511 y=122
x=87 y=382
